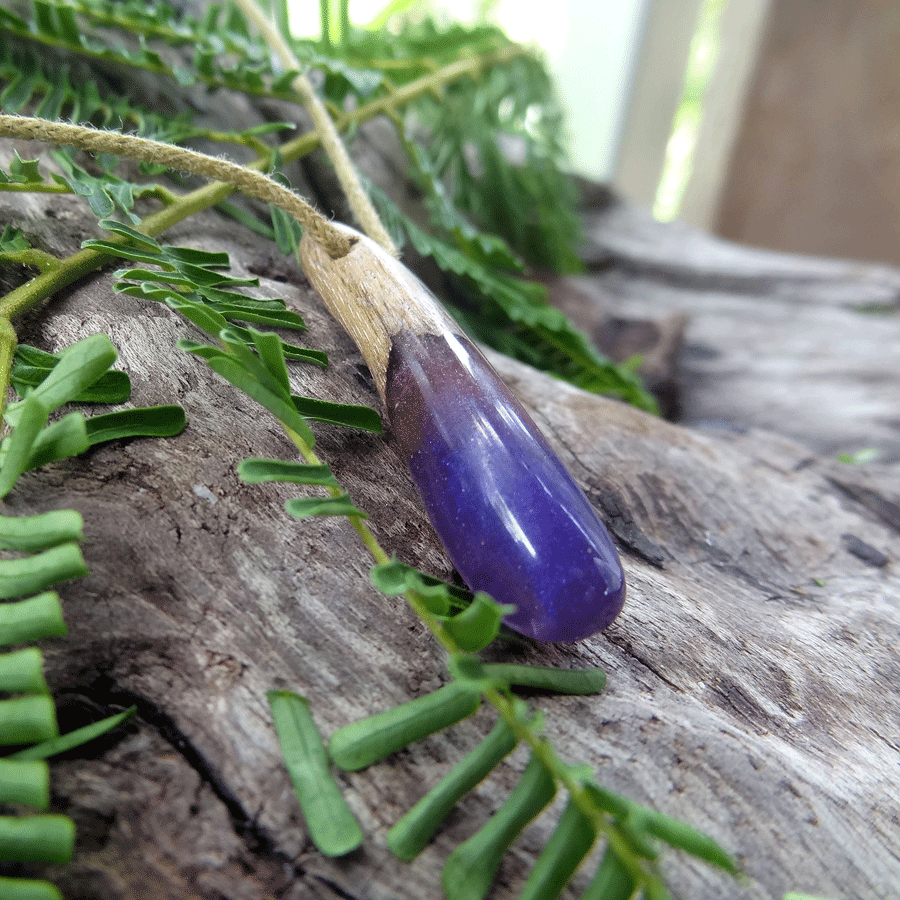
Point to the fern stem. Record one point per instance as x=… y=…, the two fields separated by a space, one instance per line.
x=325 y=23
x=32 y=187
x=434 y=81
x=331 y=140
x=8 y=343
x=48 y=283
x=37 y=259
x=359 y=524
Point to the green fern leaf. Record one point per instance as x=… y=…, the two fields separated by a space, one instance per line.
x=569 y=844
x=332 y=826
x=471 y=867
x=363 y=743
x=409 y=837
x=257 y=471
x=305 y=507
x=65 y=742
x=613 y=881
x=31 y=619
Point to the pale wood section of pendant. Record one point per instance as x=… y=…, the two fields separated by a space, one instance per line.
x=373 y=296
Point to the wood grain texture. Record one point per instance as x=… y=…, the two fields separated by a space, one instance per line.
x=751 y=674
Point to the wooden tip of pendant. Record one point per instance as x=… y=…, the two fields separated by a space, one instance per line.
x=373 y=295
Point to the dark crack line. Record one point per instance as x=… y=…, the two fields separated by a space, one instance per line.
x=105 y=690
x=616 y=514
x=886 y=511
x=336 y=888
x=627 y=648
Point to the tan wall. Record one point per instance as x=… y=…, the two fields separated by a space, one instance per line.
x=816 y=167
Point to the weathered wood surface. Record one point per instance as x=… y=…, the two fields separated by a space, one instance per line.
x=803 y=346
x=752 y=678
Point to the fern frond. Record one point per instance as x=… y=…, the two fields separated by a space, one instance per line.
x=48 y=545
x=224 y=53
x=55 y=90
x=512 y=314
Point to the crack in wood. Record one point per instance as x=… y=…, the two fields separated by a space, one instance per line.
x=106 y=692
x=628 y=649
x=622 y=524
x=885 y=510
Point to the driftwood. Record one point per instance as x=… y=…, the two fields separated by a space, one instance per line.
x=802 y=346
x=752 y=675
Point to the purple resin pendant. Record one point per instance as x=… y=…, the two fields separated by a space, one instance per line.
x=509 y=514
x=512 y=519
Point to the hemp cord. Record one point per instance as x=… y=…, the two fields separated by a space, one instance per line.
x=253 y=184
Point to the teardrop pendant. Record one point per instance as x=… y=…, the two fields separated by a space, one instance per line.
x=511 y=517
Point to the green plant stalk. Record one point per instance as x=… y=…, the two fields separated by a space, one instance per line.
x=8 y=342
x=325 y=24
x=359 y=524
x=33 y=187
x=503 y=702
x=344 y=18
x=37 y=259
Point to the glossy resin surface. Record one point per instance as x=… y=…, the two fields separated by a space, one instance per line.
x=511 y=517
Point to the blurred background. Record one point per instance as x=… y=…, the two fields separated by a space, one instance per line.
x=775 y=123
